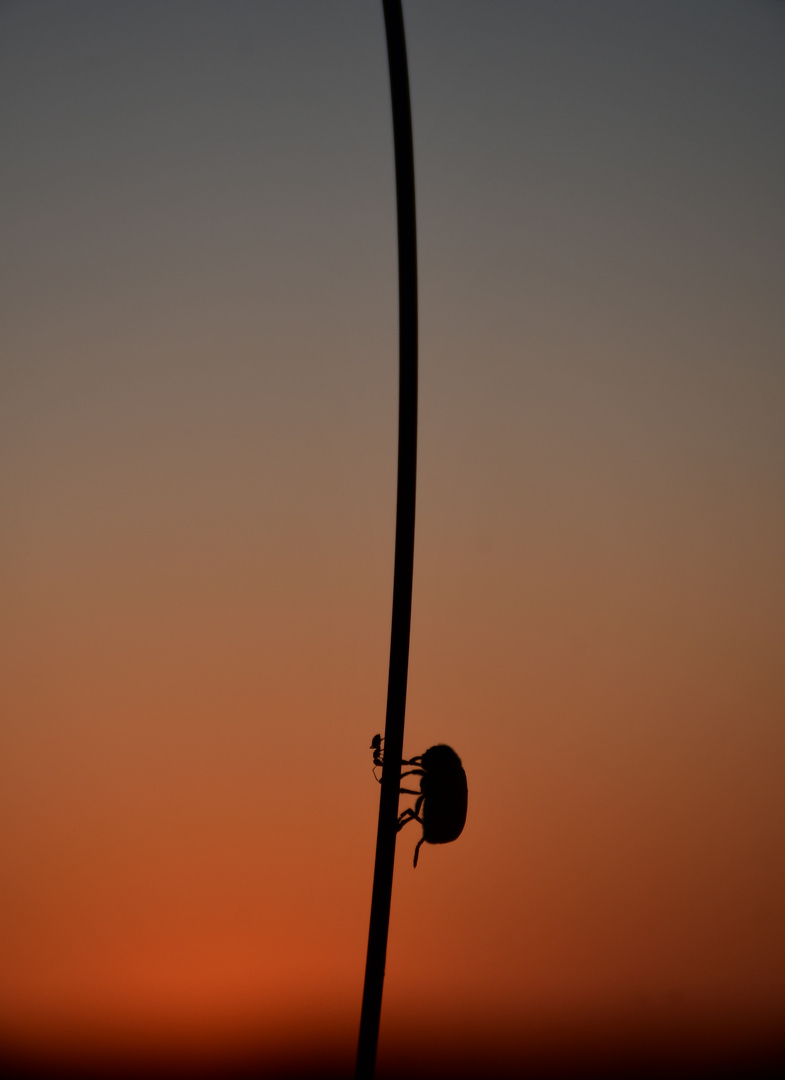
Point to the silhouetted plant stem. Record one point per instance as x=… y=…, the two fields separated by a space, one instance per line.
x=404 y=543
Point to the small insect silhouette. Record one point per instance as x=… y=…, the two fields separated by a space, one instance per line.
x=443 y=794
x=378 y=759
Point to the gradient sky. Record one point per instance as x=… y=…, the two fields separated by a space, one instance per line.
x=198 y=443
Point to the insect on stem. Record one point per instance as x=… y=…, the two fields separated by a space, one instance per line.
x=404 y=543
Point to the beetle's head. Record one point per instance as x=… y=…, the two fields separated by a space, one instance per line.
x=440 y=757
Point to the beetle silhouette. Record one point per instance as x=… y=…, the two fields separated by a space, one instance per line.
x=443 y=794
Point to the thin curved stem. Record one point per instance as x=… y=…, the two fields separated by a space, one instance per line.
x=404 y=543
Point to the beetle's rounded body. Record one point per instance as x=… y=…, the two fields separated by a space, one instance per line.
x=443 y=796
x=446 y=795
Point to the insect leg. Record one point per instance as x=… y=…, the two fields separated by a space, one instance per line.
x=408 y=791
x=417 y=850
x=406 y=817
x=412 y=772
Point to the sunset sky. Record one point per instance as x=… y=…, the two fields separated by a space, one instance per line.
x=199 y=395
